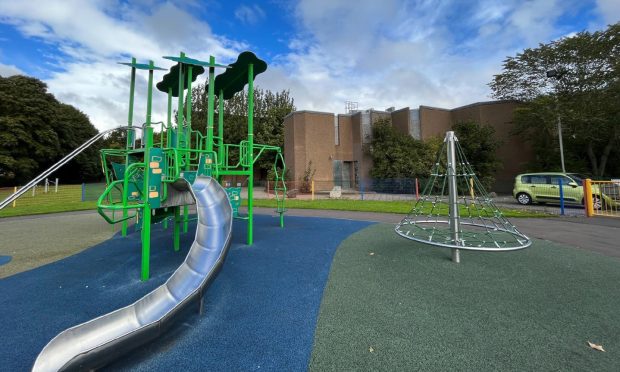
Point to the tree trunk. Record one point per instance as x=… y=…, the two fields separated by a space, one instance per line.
x=605 y=156
x=592 y=157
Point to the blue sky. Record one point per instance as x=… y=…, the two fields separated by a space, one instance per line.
x=378 y=53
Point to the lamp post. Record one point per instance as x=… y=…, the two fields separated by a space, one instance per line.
x=557 y=75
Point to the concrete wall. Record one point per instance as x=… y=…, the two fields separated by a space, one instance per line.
x=401 y=120
x=513 y=152
x=434 y=122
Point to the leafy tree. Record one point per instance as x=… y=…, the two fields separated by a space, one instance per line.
x=480 y=148
x=584 y=94
x=36 y=131
x=269 y=111
x=396 y=155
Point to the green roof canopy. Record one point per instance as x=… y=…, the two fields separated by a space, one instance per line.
x=171 y=79
x=234 y=79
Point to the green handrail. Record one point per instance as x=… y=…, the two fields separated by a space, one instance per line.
x=129 y=172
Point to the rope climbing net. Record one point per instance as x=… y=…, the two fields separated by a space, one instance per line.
x=455 y=211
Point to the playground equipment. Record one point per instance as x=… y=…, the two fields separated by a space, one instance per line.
x=93 y=344
x=472 y=221
x=146 y=182
x=154 y=180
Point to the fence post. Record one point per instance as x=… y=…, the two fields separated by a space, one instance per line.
x=83 y=192
x=561 y=196
x=417 y=189
x=34 y=190
x=587 y=196
x=56 y=187
x=312 y=188
x=14 y=191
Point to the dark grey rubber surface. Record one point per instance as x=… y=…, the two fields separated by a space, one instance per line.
x=596 y=234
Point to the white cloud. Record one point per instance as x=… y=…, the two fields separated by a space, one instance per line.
x=609 y=10
x=95 y=35
x=381 y=54
x=249 y=15
x=9 y=70
x=404 y=53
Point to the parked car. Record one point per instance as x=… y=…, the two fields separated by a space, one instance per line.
x=544 y=188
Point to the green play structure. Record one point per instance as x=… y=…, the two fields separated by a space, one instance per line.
x=146 y=179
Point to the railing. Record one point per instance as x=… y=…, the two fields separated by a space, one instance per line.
x=56 y=166
x=602 y=198
x=123 y=204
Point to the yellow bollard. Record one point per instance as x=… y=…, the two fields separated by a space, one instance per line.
x=587 y=196
x=312 y=188
x=14 y=191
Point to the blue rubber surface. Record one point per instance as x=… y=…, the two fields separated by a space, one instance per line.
x=260 y=312
x=5 y=260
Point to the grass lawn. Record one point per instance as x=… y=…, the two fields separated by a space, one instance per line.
x=399 y=207
x=396 y=305
x=68 y=198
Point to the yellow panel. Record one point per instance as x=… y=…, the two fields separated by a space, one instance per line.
x=154 y=164
x=156 y=170
x=153 y=194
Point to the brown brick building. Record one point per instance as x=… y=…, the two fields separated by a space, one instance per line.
x=335 y=143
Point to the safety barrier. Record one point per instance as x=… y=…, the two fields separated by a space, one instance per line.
x=602 y=198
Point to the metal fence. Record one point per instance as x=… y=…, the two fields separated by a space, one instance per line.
x=603 y=198
x=44 y=197
x=373 y=189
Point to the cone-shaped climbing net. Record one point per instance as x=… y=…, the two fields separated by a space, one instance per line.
x=455 y=211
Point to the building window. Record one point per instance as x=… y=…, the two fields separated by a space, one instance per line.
x=336 y=130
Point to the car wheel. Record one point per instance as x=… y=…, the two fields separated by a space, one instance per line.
x=597 y=203
x=524 y=199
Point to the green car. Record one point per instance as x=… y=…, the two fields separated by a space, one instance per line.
x=544 y=188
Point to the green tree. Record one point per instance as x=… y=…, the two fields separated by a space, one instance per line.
x=584 y=95
x=396 y=155
x=480 y=148
x=36 y=131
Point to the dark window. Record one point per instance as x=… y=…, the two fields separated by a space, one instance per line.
x=526 y=179
x=555 y=180
x=577 y=178
x=538 y=179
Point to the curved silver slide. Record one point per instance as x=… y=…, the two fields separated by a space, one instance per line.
x=97 y=342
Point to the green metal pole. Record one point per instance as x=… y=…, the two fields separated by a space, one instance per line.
x=177 y=210
x=132 y=86
x=220 y=129
x=188 y=136
x=146 y=218
x=169 y=118
x=210 y=108
x=168 y=130
x=251 y=153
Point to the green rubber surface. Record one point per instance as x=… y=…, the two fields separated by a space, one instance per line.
x=393 y=304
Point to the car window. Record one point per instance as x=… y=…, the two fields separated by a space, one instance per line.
x=577 y=178
x=539 y=179
x=555 y=180
x=526 y=179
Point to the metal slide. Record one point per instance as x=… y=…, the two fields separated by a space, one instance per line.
x=97 y=342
